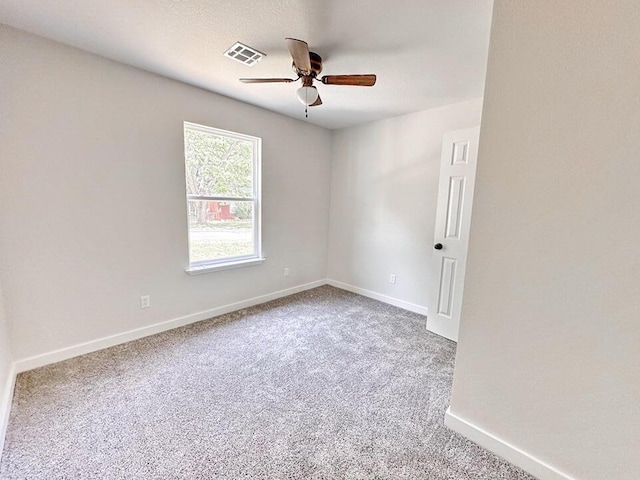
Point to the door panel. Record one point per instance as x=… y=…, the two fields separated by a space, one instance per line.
x=454 y=207
x=447 y=281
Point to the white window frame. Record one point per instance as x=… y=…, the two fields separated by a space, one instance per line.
x=226 y=263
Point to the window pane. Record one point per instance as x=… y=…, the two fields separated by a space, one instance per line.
x=220 y=229
x=218 y=165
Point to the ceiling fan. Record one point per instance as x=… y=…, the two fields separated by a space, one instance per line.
x=308 y=66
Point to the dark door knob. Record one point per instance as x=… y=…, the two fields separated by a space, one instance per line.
x=438 y=246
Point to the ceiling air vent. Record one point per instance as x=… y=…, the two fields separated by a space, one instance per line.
x=244 y=54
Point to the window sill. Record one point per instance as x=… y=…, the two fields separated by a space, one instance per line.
x=199 y=270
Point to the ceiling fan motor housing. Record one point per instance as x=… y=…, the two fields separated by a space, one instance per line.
x=316 y=66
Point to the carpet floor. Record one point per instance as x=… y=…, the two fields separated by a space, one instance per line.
x=324 y=384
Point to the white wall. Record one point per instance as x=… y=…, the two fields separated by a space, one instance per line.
x=384 y=186
x=548 y=357
x=92 y=196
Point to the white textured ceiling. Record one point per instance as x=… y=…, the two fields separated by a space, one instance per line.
x=426 y=53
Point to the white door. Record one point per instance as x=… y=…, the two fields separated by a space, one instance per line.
x=451 y=238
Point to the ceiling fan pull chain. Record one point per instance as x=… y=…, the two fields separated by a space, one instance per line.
x=306 y=115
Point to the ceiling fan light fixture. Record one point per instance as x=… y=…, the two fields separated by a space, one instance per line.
x=307 y=95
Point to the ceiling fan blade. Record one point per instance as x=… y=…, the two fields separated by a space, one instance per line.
x=267 y=80
x=356 y=80
x=317 y=102
x=299 y=51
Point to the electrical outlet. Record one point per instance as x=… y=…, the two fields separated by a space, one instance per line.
x=145 y=301
x=392 y=278
x=286 y=271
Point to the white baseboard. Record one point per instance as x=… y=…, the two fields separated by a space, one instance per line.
x=412 y=307
x=511 y=453
x=6 y=396
x=55 y=356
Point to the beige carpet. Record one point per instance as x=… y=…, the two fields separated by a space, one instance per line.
x=321 y=385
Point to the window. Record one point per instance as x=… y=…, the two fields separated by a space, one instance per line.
x=223 y=198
